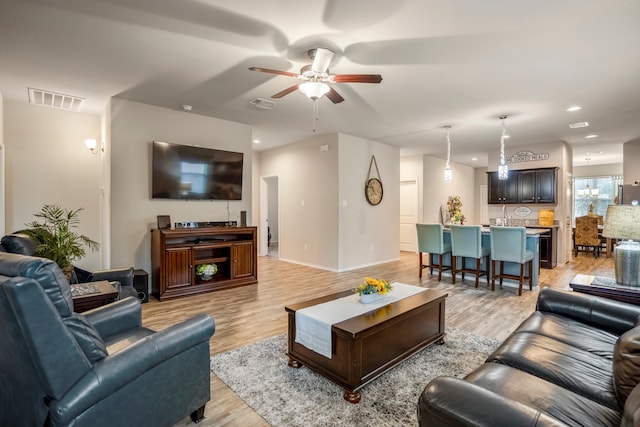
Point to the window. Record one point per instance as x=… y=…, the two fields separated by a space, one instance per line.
x=592 y=195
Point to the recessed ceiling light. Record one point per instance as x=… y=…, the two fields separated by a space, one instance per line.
x=574 y=108
x=579 y=125
x=256 y=141
x=474 y=158
x=591 y=136
x=507 y=136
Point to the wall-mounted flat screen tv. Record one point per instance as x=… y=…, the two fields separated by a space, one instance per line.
x=195 y=173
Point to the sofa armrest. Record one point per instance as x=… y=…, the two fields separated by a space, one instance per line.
x=448 y=401
x=122 y=275
x=128 y=366
x=613 y=316
x=119 y=316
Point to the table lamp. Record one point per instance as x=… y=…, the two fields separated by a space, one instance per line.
x=623 y=222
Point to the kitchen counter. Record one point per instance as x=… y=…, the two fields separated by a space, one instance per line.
x=532 y=244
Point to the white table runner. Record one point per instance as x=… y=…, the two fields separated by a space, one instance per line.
x=313 y=324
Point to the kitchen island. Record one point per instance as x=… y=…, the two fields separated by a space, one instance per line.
x=533 y=244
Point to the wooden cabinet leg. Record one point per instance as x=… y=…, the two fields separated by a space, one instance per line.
x=198 y=414
x=293 y=363
x=351 y=396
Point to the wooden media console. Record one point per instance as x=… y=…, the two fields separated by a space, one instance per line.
x=175 y=255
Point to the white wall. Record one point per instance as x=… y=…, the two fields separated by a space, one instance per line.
x=598 y=170
x=437 y=190
x=631 y=158
x=315 y=227
x=133 y=128
x=308 y=188
x=368 y=234
x=48 y=163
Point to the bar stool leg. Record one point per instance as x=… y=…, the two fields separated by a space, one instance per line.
x=521 y=279
x=493 y=275
x=420 y=265
x=477 y=271
x=501 y=272
x=453 y=269
x=430 y=263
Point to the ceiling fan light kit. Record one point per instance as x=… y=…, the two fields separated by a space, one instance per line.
x=314 y=90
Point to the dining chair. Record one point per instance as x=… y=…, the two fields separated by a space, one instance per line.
x=586 y=236
x=466 y=242
x=431 y=241
x=509 y=244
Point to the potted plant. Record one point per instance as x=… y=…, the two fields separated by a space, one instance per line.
x=56 y=238
x=372 y=289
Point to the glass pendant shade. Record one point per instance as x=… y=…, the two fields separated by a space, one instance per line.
x=314 y=90
x=448 y=173
x=503 y=169
x=503 y=172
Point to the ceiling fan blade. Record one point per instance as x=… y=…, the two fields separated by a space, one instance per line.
x=269 y=70
x=287 y=91
x=334 y=96
x=357 y=78
x=321 y=60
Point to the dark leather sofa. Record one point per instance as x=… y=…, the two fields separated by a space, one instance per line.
x=120 y=278
x=573 y=362
x=100 y=368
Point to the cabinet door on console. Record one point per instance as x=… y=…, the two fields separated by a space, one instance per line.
x=178 y=267
x=242 y=254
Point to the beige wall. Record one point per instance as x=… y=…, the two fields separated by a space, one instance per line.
x=48 y=163
x=367 y=234
x=133 y=213
x=598 y=170
x=631 y=159
x=325 y=221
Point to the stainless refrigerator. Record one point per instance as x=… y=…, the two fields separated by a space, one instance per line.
x=628 y=193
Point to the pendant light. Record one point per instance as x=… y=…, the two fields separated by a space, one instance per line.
x=448 y=173
x=503 y=169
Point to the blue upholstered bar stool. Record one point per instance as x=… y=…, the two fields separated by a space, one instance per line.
x=431 y=241
x=466 y=242
x=510 y=244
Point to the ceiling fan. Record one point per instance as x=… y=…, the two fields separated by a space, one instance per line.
x=316 y=77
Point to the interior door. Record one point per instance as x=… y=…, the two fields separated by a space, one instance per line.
x=408 y=216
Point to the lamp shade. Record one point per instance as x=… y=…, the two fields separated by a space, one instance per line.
x=622 y=222
x=314 y=90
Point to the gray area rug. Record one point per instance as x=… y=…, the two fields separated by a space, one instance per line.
x=285 y=396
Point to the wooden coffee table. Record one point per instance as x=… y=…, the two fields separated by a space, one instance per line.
x=366 y=346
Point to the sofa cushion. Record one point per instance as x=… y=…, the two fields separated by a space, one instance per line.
x=87 y=337
x=19 y=244
x=572 y=332
x=566 y=366
x=626 y=363
x=558 y=402
x=45 y=272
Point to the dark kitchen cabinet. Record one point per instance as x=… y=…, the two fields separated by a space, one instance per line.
x=538 y=186
x=523 y=186
x=503 y=191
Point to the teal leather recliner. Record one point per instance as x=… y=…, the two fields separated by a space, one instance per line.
x=103 y=368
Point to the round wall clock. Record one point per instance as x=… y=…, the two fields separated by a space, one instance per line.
x=373 y=191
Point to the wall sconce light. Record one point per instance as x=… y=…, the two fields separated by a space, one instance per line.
x=92 y=145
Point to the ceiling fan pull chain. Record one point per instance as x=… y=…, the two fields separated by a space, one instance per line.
x=315 y=113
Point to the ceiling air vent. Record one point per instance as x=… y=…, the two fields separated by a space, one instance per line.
x=55 y=100
x=263 y=104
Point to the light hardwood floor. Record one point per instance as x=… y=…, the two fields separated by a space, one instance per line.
x=252 y=313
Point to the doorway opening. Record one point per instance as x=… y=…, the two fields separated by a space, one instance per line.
x=269 y=217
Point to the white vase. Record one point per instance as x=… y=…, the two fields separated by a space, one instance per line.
x=369 y=298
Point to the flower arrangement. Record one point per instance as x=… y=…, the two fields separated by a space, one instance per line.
x=373 y=286
x=454 y=206
x=206 y=271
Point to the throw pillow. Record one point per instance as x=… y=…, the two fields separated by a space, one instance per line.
x=87 y=337
x=626 y=364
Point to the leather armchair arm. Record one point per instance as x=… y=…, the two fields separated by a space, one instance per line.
x=128 y=366
x=613 y=316
x=448 y=401
x=116 y=317
x=122 y=275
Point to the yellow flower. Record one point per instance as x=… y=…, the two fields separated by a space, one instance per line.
x=372 y=286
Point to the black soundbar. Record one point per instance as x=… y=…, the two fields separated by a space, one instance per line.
x=205 y=224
